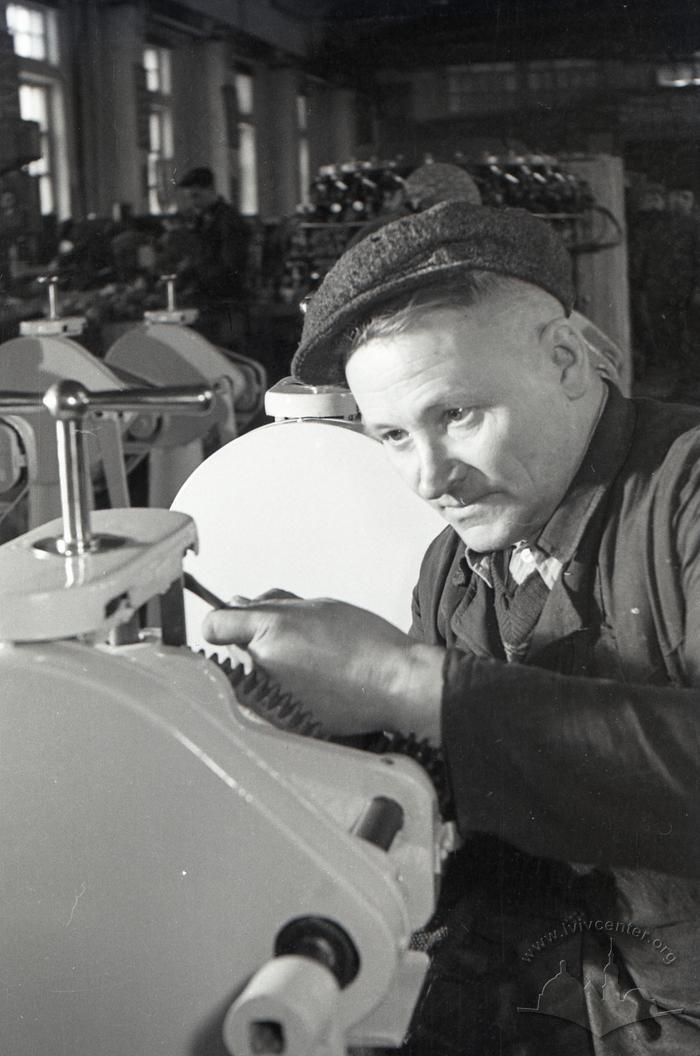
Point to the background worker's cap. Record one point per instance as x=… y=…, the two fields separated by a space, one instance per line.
x=439 y=182
x=199 y=177
x=401 y=257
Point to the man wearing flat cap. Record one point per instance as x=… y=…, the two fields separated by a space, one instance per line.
x=555 y=649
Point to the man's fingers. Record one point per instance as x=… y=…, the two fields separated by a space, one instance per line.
x=276 y=594
x=237 y=626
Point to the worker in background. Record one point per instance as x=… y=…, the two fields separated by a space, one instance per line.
x=437 y=181
x=681 y=201
x=212 y=275
x=433 y=182
x=555 y=649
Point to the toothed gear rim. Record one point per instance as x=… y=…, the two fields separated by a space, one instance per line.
x=257 y=691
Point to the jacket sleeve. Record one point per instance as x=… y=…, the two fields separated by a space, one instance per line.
x=579 y=769
x=584 y=769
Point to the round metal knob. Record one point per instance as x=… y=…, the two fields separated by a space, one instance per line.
x=66 y=399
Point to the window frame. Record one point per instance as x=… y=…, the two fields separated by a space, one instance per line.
x=303 y=147
x=159 y=101
x=247 y=147
x=48 y=74
x=51 y=52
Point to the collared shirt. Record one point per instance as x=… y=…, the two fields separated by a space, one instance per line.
x=525 y=559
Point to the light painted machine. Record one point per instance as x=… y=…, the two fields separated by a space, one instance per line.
x=164 y=350
x=310 y=504
x=47 y=351
x=179 y=875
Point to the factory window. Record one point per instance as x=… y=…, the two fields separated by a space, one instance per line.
x=303 y=132
x=156 y=64
x=247 y=146
x=34 y=29
x=36 y=104
x=34 y=32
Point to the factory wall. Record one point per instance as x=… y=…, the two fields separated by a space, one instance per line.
x=559 y=106
x=105 y=142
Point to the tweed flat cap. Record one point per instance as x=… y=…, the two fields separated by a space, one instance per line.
x=405 y=255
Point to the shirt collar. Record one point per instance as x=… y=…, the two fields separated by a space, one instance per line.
x=525 y=559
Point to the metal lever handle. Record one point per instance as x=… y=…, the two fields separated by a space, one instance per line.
x=68 y=401
x=13 y=402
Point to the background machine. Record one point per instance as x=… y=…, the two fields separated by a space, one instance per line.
x=161 y=351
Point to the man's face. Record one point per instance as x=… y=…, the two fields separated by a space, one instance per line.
x=681 y=202
x=471 y=411
x=197 y=199
x=653 y=202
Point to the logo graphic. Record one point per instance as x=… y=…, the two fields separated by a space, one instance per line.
x=599 y=1011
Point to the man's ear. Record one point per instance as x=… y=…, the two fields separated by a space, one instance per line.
x=568 y=351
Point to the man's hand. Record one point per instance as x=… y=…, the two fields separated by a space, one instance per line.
x=356 y=672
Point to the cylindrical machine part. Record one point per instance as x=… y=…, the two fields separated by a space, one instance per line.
x=53 y=302
x=379 y=822
x=289 y=1007
x=321 y=940
x=169 y=281
x=75 y=494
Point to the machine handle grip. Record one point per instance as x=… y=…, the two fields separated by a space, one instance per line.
x=20 y=401
x=68 y=400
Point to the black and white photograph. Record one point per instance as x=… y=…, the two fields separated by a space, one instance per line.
x=350 y=528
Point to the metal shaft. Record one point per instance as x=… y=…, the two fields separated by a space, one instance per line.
x=169 y=281
x=75 y=494
x=53 y=305
x=69 y=402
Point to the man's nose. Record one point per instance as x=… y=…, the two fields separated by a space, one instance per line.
x=437 y=469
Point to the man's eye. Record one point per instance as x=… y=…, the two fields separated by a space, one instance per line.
x=393 y=436
x=457 y=414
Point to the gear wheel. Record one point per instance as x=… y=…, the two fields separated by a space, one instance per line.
x=258 y=692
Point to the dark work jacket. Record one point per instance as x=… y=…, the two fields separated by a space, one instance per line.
x=220 y=253
x=576 y=774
